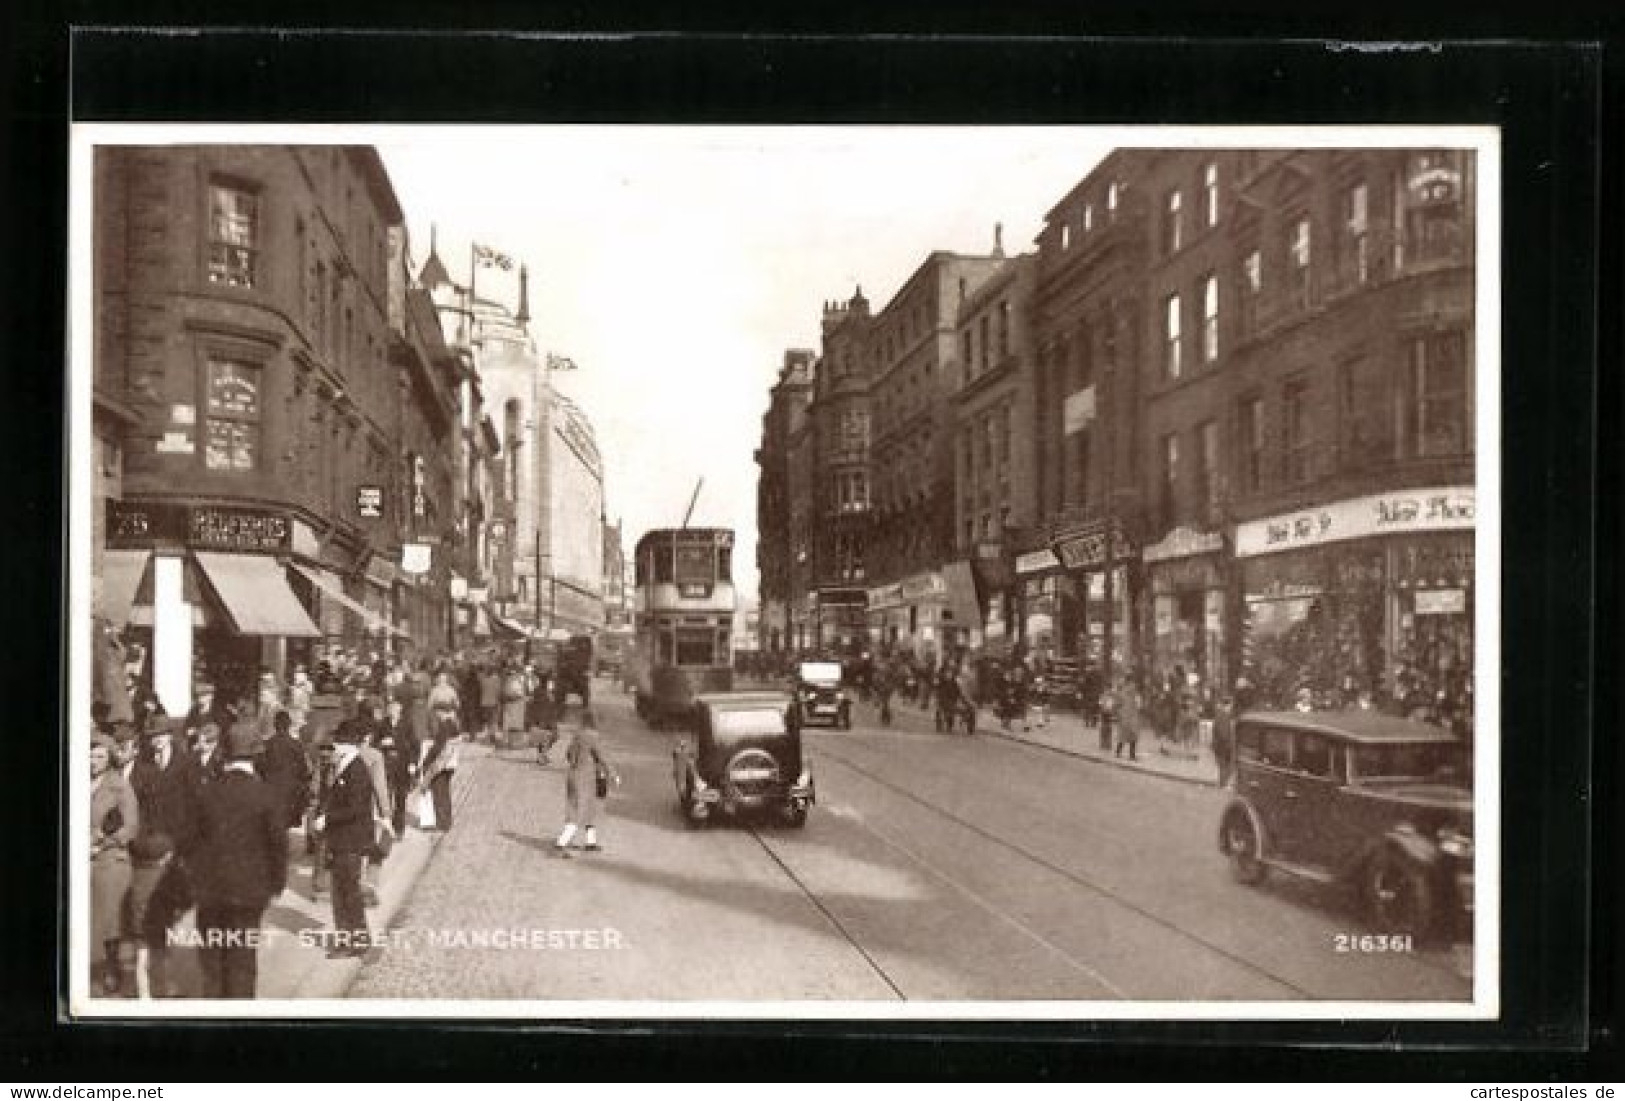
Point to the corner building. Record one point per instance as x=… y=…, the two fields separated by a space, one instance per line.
x=245 y=331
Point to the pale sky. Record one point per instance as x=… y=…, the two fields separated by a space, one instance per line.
x=675 y=265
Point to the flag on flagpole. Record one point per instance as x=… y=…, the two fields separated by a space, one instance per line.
x=489 y=257
x=560 y=363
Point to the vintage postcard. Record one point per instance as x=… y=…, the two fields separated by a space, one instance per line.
x=784 y=572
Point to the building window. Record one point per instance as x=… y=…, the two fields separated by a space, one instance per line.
x=1250 y=443
x=981 y=337
x=1210 y=318
x=234 y=229
x=1168 y=496
x=1111 y=201
x=1210 y=195
x=1433 y=406
x=1066 y=236
x=1295 y=433
x=1170 y=336
x=232 y=420
x=1207 y=470
x=967 y=352
x=1357 y=406
x=1252 y=286
x=1088 y=217
x=1173 y=224
x=1298 y=253
x=1354 y=258
x=1004 y=330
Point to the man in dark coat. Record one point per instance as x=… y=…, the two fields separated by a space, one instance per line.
x=239 y=864
x=163 y=781
x=346 y=821
x=286 y=769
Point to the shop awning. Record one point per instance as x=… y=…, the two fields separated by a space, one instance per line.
x=256 y=595
x=121 y=577
x=504 y=627
x=368 y=616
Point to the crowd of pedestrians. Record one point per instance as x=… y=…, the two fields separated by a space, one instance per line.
x=193 y=815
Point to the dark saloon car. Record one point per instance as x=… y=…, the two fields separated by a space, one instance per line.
x=1358 y=798
x=744 y=757
x=821 y=695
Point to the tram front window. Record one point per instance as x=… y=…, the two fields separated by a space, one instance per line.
x=695 y=646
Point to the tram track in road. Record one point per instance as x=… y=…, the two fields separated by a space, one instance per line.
x=1438 y=962
x=829 y=916
x=1098 y=889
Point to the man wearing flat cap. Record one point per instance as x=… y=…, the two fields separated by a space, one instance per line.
x=240 y=865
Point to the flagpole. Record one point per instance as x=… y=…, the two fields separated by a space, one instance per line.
x=473 y=275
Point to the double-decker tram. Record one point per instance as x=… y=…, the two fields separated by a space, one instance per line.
x=684 y=603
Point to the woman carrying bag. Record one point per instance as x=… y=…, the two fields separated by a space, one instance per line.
x=587 y=778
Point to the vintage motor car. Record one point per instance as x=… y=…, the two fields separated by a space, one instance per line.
x=821 y=695
x=1358 y=798
x=742 y=756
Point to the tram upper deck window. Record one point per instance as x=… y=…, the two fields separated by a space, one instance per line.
x=663 y=565
x=694 y=564
x=695 y=646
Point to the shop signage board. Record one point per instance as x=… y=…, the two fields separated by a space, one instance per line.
x=1448 y=508
x=925 y=586
x=237 y=529
x=886 y=596
x=1088 y=550
x=140 y=524
x=1441 y=601
x=1037 y=561
x=1184 y=543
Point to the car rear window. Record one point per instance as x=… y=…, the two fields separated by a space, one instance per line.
x=734 y=724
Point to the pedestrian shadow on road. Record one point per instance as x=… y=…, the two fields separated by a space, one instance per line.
x=540 y=844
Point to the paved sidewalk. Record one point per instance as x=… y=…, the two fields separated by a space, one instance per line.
x=1067 y=733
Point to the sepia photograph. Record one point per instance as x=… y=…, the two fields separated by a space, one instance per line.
x=784 y=572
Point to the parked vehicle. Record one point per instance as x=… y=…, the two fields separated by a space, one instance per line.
x=1361 y=799
x=821 y=695
x=744 y=756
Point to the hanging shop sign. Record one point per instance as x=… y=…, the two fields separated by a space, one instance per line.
x=369 y=502
x=1079 y=410
x=458 y=588
x=416 y=558
x=1450 y=508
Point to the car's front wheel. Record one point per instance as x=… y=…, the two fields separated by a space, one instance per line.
x=1241 y=845
x=795 y=816
x=1399 y=895
x=845 y=722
